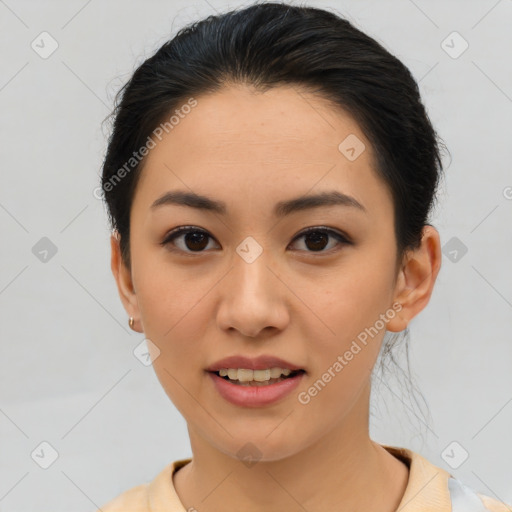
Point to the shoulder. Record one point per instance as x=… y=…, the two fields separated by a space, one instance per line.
x=466 y=498
x=494 y=505
x=132 y=500
x=159 y=494
x=431 y=487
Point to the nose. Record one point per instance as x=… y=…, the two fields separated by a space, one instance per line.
x=253 y=299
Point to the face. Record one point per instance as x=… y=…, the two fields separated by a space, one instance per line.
x=248 y=281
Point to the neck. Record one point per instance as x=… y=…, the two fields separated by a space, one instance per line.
x=344 y=469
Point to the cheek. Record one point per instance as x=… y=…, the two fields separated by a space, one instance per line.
x=168 y=296
x=176 y=323
x=344 y=358
x=352 y=300
x=352 y=305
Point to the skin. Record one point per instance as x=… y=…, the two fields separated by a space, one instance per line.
x=252 y=150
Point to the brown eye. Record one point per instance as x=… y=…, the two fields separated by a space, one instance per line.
x=190 y=239
x=316 y=239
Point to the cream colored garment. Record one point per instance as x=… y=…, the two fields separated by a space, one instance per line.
x=429 y=489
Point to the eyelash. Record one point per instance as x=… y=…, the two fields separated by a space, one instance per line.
x=183 y=230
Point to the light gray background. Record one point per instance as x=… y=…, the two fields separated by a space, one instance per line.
x=68 y=375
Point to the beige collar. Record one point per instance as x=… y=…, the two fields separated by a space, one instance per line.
x=427 y=488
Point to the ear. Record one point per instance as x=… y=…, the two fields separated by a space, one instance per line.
x=123 y=277
x=416 y=279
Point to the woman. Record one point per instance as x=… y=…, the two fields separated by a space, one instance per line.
x=268 y=180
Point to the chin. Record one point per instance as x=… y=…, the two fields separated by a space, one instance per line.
x=259 y=447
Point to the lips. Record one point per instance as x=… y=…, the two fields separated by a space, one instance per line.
x=250 y=395
x=259 y=363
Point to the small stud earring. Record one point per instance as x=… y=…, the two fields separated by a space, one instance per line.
x=131 y=322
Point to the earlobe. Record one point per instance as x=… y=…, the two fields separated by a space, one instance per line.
x=123 y=277
x=416 y=279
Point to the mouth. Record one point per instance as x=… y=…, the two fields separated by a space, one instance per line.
x=245 y=387
x=255 y=382
x=256 y=378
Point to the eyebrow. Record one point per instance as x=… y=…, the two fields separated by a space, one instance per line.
x=281 y=209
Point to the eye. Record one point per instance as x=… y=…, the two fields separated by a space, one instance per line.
x=316 y=238
x=194 y=239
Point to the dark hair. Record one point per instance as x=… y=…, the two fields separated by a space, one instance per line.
x=271 y=44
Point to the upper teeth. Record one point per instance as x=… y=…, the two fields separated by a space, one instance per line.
x=246 y=375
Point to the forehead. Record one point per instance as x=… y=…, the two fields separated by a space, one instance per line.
x=239 y=144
